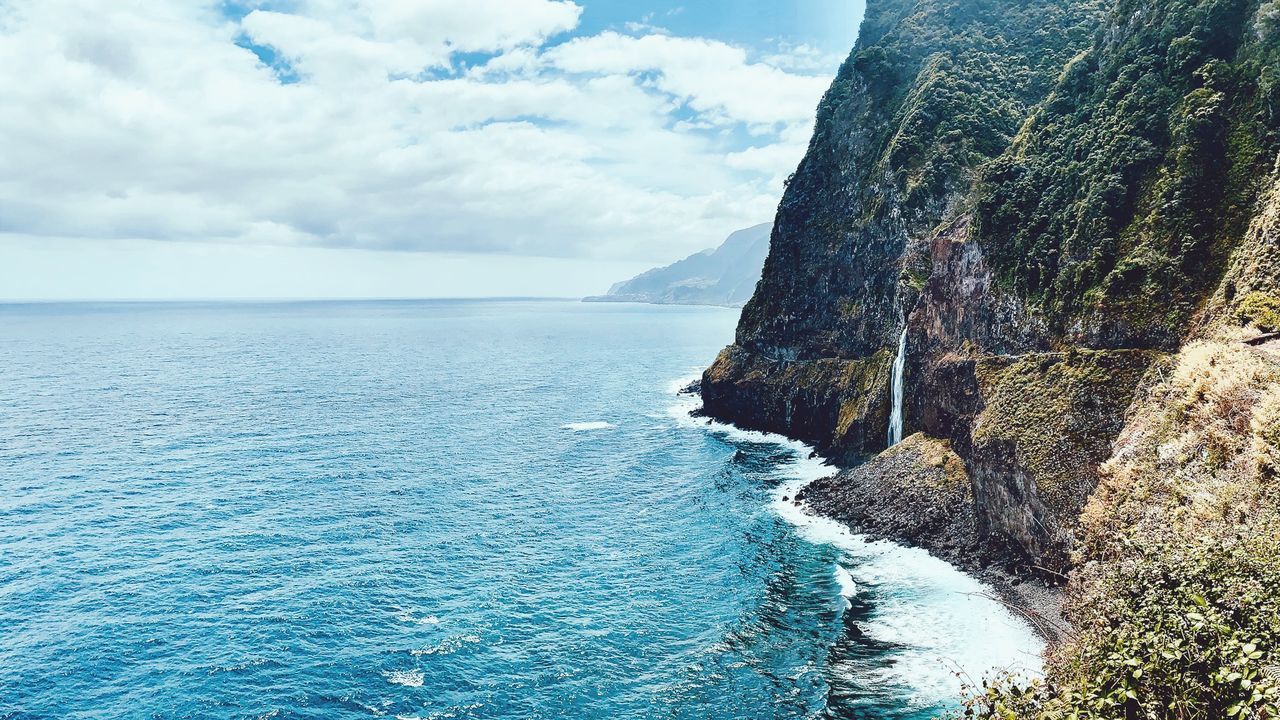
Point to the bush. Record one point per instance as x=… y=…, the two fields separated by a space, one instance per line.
x=1260 y=310
x=1179 y=632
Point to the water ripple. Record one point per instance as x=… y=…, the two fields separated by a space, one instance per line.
x=355 y=510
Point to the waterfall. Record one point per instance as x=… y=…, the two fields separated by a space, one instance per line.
x=899 y=380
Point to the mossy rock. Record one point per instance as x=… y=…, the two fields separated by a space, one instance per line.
x=839 y=405
x=1061 y=412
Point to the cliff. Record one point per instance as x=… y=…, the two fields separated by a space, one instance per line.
x=726 y=275
x=1060 y=202
x=932 y=91
x=1048 y=197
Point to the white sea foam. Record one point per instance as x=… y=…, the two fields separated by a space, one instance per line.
x=448 y=646
x=946 y=624
x=406 y=616
x=588 y=426
x=848 y=586
x=406 y=678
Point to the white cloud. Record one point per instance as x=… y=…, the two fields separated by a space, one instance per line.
x=146 y=120
x=711 y=76
x=802 y=58
x=777 y=159
x=475 y=25
x=327 y=53
x=336 y=38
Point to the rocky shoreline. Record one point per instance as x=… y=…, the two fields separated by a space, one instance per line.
x=1073 y=210
x=918 y=494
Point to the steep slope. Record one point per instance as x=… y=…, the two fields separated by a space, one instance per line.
x=726 y=275
x=1176 y=605
x=1072 y=211
x=932 y=90
x=1048 y=197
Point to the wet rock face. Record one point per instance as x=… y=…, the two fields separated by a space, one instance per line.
x=839 y=406
x=962 y=310
x=1032 y=430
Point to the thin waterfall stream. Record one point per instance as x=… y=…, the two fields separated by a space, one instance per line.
x=898 y=391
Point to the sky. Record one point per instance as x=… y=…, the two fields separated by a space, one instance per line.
x=393 y=148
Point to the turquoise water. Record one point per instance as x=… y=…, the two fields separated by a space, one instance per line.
x=432 y=510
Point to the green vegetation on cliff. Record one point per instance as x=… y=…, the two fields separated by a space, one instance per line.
x=1074 y=208
x=933 y=89
x=956 y=98
x=1127 y=190
x=1191 y=633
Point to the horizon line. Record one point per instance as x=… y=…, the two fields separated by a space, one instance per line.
x=282 y=300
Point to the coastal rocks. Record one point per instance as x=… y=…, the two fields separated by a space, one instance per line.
x=917 y=492
x=839 y=406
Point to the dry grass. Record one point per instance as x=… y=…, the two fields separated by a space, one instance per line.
x=1176 y=602
x=1198 y=451
x=1265 y=427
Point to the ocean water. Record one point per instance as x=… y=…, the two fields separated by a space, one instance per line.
x=434 y=510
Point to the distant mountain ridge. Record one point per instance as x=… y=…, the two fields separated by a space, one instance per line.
x=726 y=275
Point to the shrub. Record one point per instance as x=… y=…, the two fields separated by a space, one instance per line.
x=1260 y=310
x=1179 y=632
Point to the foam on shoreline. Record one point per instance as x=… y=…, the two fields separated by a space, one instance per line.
x=947 y=626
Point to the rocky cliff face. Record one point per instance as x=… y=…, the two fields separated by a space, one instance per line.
x=1050 y=196
x=932 y=91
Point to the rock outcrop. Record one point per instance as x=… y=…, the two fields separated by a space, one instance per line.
x=917 y=492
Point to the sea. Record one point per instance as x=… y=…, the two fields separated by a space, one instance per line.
x=436 y=509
